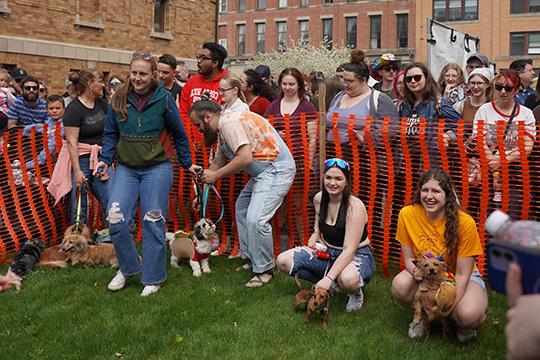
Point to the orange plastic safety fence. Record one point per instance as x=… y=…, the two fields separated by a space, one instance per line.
x=385 y=162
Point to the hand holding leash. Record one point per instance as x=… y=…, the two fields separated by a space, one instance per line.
x=101 y=169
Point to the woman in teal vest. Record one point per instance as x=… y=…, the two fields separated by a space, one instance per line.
x=139 y=121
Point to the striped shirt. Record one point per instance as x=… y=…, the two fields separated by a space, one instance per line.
x=26 y=115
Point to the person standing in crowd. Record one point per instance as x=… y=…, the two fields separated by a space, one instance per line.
x=6 y=99
x=358 y=100
x=434 y=224
x=231 y=94
x=43 y=90
x=399 y=88
x=266 y=76
x=341 y=226
x=423 y=102
x=140 y=116
x=84 y=120
x=533 y=100
x=28 y=109
x=384 y=69
x=166 y=71
x=248 y=142
x=257 y=92
x=475 y=61
x=210 y=71
x=525 y=70
x=452 y=83
x=115 y=82
x=503 y=107
x=480 y=80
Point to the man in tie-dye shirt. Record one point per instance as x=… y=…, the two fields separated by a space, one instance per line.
x=248 y=142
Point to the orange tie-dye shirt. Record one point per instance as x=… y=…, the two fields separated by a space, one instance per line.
x=237 y=129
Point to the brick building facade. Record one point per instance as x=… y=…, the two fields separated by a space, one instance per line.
x=247 y=27
x=508 y=29
x=50 y=38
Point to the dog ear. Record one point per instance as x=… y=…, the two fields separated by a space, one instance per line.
x=416 y=262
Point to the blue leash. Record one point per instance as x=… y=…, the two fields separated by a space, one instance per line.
x=202 y=199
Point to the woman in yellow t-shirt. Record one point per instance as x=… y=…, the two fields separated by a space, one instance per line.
x=435 y=224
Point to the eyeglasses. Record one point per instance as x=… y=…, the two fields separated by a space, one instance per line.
x=506 y=88
x=474 y=83
x=342 y=164
x=42 y=90
x=146 y=56
x=221 y=90
x=30 y=87
x=201 y=57
x=416 y=78
x=389 y=68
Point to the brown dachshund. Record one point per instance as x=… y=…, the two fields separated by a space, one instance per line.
x=317 y=302
x=426 y=308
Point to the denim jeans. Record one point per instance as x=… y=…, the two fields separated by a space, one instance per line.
x=99 y=188
x=255 y=207
x=151 y=186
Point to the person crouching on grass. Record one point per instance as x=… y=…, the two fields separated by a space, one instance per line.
x=341 y=226
x=434 y=223
x=142 y=111
x=248 y=142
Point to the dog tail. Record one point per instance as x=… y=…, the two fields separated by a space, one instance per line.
x=297 y=280
x=59 y=264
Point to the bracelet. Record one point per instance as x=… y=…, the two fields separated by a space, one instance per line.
x=329 y=278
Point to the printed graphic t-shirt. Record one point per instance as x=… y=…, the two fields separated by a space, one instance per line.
x=237 y=129
x=422 y=235
x=90 y=121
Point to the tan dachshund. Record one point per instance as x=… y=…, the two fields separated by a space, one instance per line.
x=317 y=302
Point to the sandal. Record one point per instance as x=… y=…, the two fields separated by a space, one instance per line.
x=246 y=266
x=257 y=281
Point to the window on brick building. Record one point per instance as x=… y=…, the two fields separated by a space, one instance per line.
x=241 y=5
x=524 y=43
x=351 y=31
x=375 y=32
x=223 y=42
x=222 y=6
x=261 y=4
x=159 y=15
x=282 y=4
x=328 y=1
x=327 y=33
x=261 y=30
x=455 y=10
x=402 y=30
x=241 y=39
x=281 y=35
x=524 y=6
x=304 y=31
x=304 y=2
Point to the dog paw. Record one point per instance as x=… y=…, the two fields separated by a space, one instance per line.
x=197 y=273
x=206 y=270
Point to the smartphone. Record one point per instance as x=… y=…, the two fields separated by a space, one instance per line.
x=501 y=254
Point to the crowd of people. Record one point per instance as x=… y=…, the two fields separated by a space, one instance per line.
x=120 y=135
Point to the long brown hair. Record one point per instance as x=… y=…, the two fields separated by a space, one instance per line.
x=430 y=90
x=451 y=66
x=119 y=99
x=451 y=209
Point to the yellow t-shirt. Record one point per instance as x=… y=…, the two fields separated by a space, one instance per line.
x=422 y=235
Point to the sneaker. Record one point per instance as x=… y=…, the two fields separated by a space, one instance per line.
x=464 y=335
x=355 y=301
x=118 y=282
x=416 y=331
x=149 y=290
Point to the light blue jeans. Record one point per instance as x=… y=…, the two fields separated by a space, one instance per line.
x=255 y=207
x=151 y=185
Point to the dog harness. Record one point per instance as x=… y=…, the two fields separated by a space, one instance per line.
x=197 y=256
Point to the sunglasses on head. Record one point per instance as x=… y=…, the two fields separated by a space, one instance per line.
x=416 y=78
x=506 y=88
x=146 y=56
x=342 y=164
x=30 y=87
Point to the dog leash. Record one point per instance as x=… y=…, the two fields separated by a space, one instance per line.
x=79 y=205
x=202 y=198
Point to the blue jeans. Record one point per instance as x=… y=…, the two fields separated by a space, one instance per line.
x=99 y=188
x=255 y=207
x=151 y=186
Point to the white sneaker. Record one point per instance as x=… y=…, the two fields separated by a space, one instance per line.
x=149 y=290
x=416 y=331
x=464 y=335
x=355 y=301
x=118 y=282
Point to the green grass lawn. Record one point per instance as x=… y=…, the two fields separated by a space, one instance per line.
x=70 y=314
